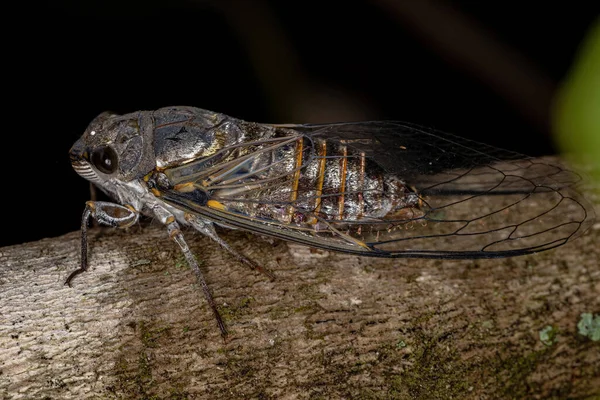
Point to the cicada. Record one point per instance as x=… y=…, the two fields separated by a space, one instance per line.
x=379 y=188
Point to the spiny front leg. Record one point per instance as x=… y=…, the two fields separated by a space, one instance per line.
x=104 y=213
x=208 y=229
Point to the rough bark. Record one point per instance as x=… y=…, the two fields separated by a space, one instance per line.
x=331 y=326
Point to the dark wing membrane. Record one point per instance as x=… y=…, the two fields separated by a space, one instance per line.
x=412 y=151
x=391 y=189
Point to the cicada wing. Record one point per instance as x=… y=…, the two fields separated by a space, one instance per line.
x=418 y=153
x=476 y=200
x=224 y=217
x=463 y=199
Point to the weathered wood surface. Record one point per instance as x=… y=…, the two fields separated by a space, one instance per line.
x=331 y=326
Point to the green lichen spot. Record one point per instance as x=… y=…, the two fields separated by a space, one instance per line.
x=432 y=371
x=548 y=335
x=516 y=370
x=150 y=336
x=144 y=370
x=237 y=309
x=488 y=324
x=180 y=261
x=589 y=326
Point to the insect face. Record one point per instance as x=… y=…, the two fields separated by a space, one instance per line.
x=111 y=148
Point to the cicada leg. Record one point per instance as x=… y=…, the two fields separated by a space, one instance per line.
x=104 y=213
x=208 y=229
x=168 y=219
x=177 y=236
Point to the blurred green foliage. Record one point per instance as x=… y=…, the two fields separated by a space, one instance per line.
x=576 y=116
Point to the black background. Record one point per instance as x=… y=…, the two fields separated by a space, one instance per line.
x=264 y=61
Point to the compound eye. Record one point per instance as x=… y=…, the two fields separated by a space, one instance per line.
x=104 y=159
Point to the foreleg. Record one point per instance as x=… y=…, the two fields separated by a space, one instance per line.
x=104 y=213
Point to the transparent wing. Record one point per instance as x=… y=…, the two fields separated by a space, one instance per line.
x=386 y=189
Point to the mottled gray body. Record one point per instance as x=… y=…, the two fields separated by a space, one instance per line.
x=281 y=167
x=377 y=188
